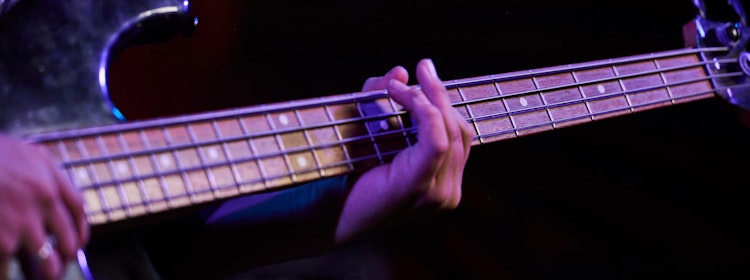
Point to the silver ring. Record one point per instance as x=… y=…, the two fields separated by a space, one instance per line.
x=47 y=247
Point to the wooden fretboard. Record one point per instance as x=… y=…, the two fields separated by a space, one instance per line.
x=134 y=169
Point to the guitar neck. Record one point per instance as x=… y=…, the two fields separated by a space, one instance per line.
x=134 y=169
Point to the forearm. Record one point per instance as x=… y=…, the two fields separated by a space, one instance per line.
x=369 y=205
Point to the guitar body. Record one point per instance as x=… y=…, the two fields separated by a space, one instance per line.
x=54 y=58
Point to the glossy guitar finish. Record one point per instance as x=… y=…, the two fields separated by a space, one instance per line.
x=54 y=57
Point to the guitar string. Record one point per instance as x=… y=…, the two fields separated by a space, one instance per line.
x=195 y=144
x=366 y=119
x=547 y=106
x=352 y=97
x=410 y=131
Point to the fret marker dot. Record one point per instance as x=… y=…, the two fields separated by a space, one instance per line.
x=122 y=168
x=302 y=161
x=283 y=119
x=165 y=160
x=384 y=125
x=213 y=153
x=601 y=88
x=524 y=102
x=82 y=174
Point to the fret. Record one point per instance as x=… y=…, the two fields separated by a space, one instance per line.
x=334 y=153
x=494 y=126
x=403 y=126
x=110 y=144
x=201 y=131
x=314 y=118
x=92 y=202
x=565 y=106
x=201 y=181
x=360 y=146
x=115 y=204
x=623 y=87
x=238 y=152
x=228 y=127
x=139 y=187
x=490 y=118
x=175 y=192
x=250 y=177
x=680 y=92
x=544 y=101
x=636 y=83
x=202 y=188
x=115 y=193
x=579 y=87
x=664 y=81
x=156 y=188
x=456 y=95
x=288 y=141
x=277 y=166
x=525 y=119
x=603 y=92
x=292 y=140
x=156 y=194
x=226 y=175
x=252 y=169
x=246 y=173
x=238 y=149
x=137 y=203
x=254 y=124
x=87 y=173
x=188 y=158
x=154 y=138
x=376 y=148
x=133 y=140
x=177 y=135
x=94 y=207
x=89 y=147
x=382 y=128
x=143 y=165
x=101 y=172
x=181 y=189
x=388 y=142
x=70 y=149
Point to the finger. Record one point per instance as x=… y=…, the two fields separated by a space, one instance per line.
x=438 y=95
x=435 y=91
x=467 y=133
x=45 y=256
x=61 y=226
x=432 y=139
x=402 y=94
x=376 y=83
x=431 y=85
x=449 y=179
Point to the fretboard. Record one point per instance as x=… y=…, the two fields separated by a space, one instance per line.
x=139 y=168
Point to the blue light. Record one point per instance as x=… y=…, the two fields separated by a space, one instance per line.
x=118 y=114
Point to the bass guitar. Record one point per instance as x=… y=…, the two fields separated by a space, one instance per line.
x=54 y=63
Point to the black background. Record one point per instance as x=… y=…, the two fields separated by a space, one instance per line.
x=657 y=194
